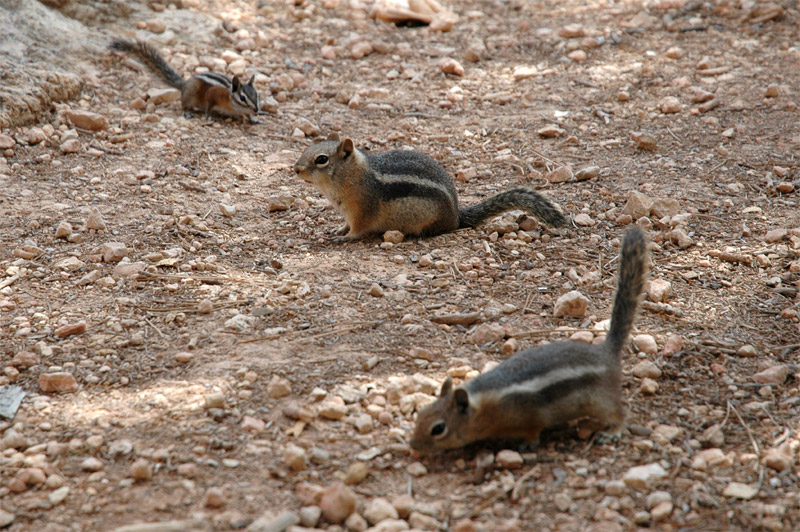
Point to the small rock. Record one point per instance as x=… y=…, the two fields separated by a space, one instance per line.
x=57 y=382
x=95 y=220
x=375 y=290
x=55 y=497
x=35 y=136
x=294 y=457
x=114 y=251
x=649 y=386
x=747 y=350
x=227 y=211
x=658 y=290
x=615 y=488
x=583 y=219
x=215 y=400
x=644 y=141
x=266 y=523
x=673 y=345
x=578 y=56
x=125 y=270
x=403 y=504
x=561 y=174
x=713 y=436
x=645 y=343
x=448 y=65
x=417 y=469
x=142 y=469
x=337 y=502
x=670 y=105
x=156 y=26
x=780 y=458
x=252 y=424
x=665 y=207
x=278 y=387
x=647 y=369
x=572 y=304
x=378 y=510
x=395 y=237
x=487 y=332
x=509 y=459
x=333 y=409
x=774 y=375
x=184 y=357
x=520 y=72
x=88 y=120
x=361 y=49
x=661 y=511
x=70 y=146
x=7 y=142
x=550 y=132
x=641 y=477
x=363 y=423
x=739 y=491
x=158 y=95
x=510 y=347
x=356 y=472
x=587 y=173
x=562 y=501
x=572 y=31
x=674 y=52
x=91 y=464
x=281 y=202
x=214 y=498
x=63 y=230
x=776 y=235
x=356 y=523
x=680 y=238
x=638 y=205
x=310 y=515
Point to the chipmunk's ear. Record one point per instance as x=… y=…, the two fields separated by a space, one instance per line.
x=333 y=136
x=252 y=80
x=461 y=400
x=346 y=148
x=447 y=387
x=236 y=83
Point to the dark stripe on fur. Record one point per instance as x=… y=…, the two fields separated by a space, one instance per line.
x=152 y=58
x=519 y=198
x=632 y=273
x=553 y=393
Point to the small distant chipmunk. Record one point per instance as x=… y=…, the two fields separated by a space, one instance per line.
x=208 y=92
x=545 y=385
x=402 y=190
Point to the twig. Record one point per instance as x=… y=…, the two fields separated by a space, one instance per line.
x=494 y=498
x=8 y=282
x=150 y=323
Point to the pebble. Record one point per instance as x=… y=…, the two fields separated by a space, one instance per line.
x=572 y=304
x=294 y=457
x=658 y=290
x=577 y=56
x=448 y=65
x=7 y=142
x=584 y=220
x=647 y=369
x=417 y=469
x=35 y=136
x=361 y=49
x=550 y=131
x=63 y=230
x=665 y=207
x=158 y=95
x=310 y=515
x=587 y=173
x=644 y=141
x=128 y=269
x=91 y=464
x=562 y=501
x=379 y=509
x=572 y=31
x=680 y=238
x=142 y=469
x=375 y=290
x=252 y=424
x=774 y=375
x=739 y=491
x=114 y=251
x=55 y=497
x=561 y=174
x=775 y=235
x=334 y=409
x=645 y=343
x=337 y=502
x=420 y=521
x=780 y=458
x=404 y=504
x=510 y=347
x=520 y=72
x=95 y=220
x=280 y=202
x=487 y=332
x=707 y=457
x=356 y=472
x=214 y=498
x=70 y=146
x=278 y=387
x=356 y=523
x=57 y=382
x=395 y=237
x=88 y=120
x=641 y=477
x=215 y=400
x=509 y=459
x=674 y=52
x=747 y=350
x=585 y=337
x=184 y=356
x=638 y=205
x=363 y=423
x=713 y=436
x=615 y=488
x=268 y=523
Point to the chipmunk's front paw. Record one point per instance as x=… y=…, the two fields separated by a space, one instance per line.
x=343 y=238
x=606 y=437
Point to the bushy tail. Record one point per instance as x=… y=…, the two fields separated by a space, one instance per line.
x=633 y=269
x=152 y=58
x=519 y=198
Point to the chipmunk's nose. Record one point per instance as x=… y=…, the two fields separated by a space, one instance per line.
x=297 y=169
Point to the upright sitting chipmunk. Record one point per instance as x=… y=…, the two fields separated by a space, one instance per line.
x=546 y=385
x=208 y=92
x=402 y=190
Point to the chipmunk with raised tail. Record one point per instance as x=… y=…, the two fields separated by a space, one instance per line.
x=208 y=92
x=545 y=385
x=403 y=190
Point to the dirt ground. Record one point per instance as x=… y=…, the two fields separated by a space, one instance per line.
x=236 y=362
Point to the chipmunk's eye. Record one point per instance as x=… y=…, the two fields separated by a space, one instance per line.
x=321 y=160
x=439 y=429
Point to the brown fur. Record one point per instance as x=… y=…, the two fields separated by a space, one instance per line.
x=545 y=385
x=404 y=191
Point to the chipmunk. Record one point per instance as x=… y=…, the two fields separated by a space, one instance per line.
x=544 y=385
x=208 y=92
x=403 y=190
